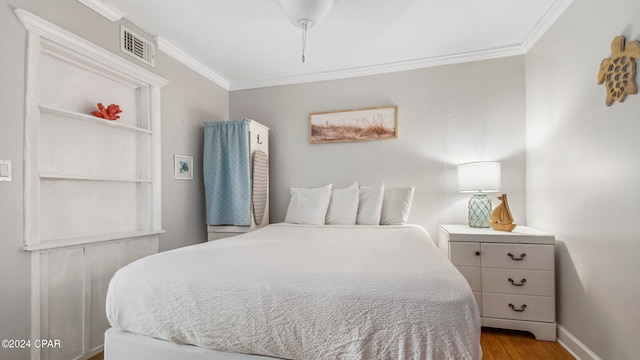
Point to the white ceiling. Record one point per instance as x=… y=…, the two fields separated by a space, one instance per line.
x=251 y=43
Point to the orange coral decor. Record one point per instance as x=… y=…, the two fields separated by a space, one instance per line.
x=110 y=112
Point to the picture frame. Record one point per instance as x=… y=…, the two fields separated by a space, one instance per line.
x=375 y=123
x=183 y=167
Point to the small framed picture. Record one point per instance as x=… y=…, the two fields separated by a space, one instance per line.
x=183 y=167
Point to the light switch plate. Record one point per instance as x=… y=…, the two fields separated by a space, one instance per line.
x=5 y=170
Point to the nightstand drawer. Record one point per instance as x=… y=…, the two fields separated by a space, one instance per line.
x=464 y=254
x=519 y=307
x=523 y=282
x=518 y=256
x=473 y=276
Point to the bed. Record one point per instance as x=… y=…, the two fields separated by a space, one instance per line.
x=295 y=292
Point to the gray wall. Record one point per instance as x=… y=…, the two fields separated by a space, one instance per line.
x=187 y=101
x=447 y=115
x=583 y=171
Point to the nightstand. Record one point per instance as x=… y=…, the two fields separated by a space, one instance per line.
x=511 y=274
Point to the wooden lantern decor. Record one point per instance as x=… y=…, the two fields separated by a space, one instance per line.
x=619 y=71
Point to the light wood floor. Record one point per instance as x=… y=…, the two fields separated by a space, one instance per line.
x=518 y=345
x=98 y=357
x=507 y=345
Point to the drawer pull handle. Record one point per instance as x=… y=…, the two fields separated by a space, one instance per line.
x=521 y=282
x=524 y=306
x=515 y=258
x=477 y=253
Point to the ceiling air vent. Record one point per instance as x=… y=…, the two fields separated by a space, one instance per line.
x=134 y=45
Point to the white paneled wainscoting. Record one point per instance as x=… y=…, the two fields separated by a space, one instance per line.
x=68 y=289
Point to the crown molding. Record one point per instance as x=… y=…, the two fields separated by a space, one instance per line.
x=545 y=23
x=381 y=69
x=186 y=59
x=556 y=10
x=107 y=10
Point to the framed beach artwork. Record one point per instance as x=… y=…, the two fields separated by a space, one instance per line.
x=183 y=167
x=354 y=125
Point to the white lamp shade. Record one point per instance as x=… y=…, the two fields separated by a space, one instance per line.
x=313 y=10
x=480 y=176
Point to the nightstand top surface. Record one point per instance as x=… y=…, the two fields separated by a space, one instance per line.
x=521 y=234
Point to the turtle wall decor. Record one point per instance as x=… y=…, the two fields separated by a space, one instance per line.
x=619 y=71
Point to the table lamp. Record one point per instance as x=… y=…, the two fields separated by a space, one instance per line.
x=479 y=177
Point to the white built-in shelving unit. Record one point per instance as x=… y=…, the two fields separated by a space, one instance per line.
x=92 y=199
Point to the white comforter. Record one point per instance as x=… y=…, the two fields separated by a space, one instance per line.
x=304 y=292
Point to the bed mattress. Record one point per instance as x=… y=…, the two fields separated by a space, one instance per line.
x=304 y=292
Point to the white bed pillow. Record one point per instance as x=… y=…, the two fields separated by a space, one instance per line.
x=396 y=205
x=308 y=206
x=370 y=205
x=343 y=207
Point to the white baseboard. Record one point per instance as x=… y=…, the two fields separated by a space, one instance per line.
x=579 y=350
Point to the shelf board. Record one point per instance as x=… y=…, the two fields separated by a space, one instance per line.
x=89 y=240
x=92 y=119
x=90 y=178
